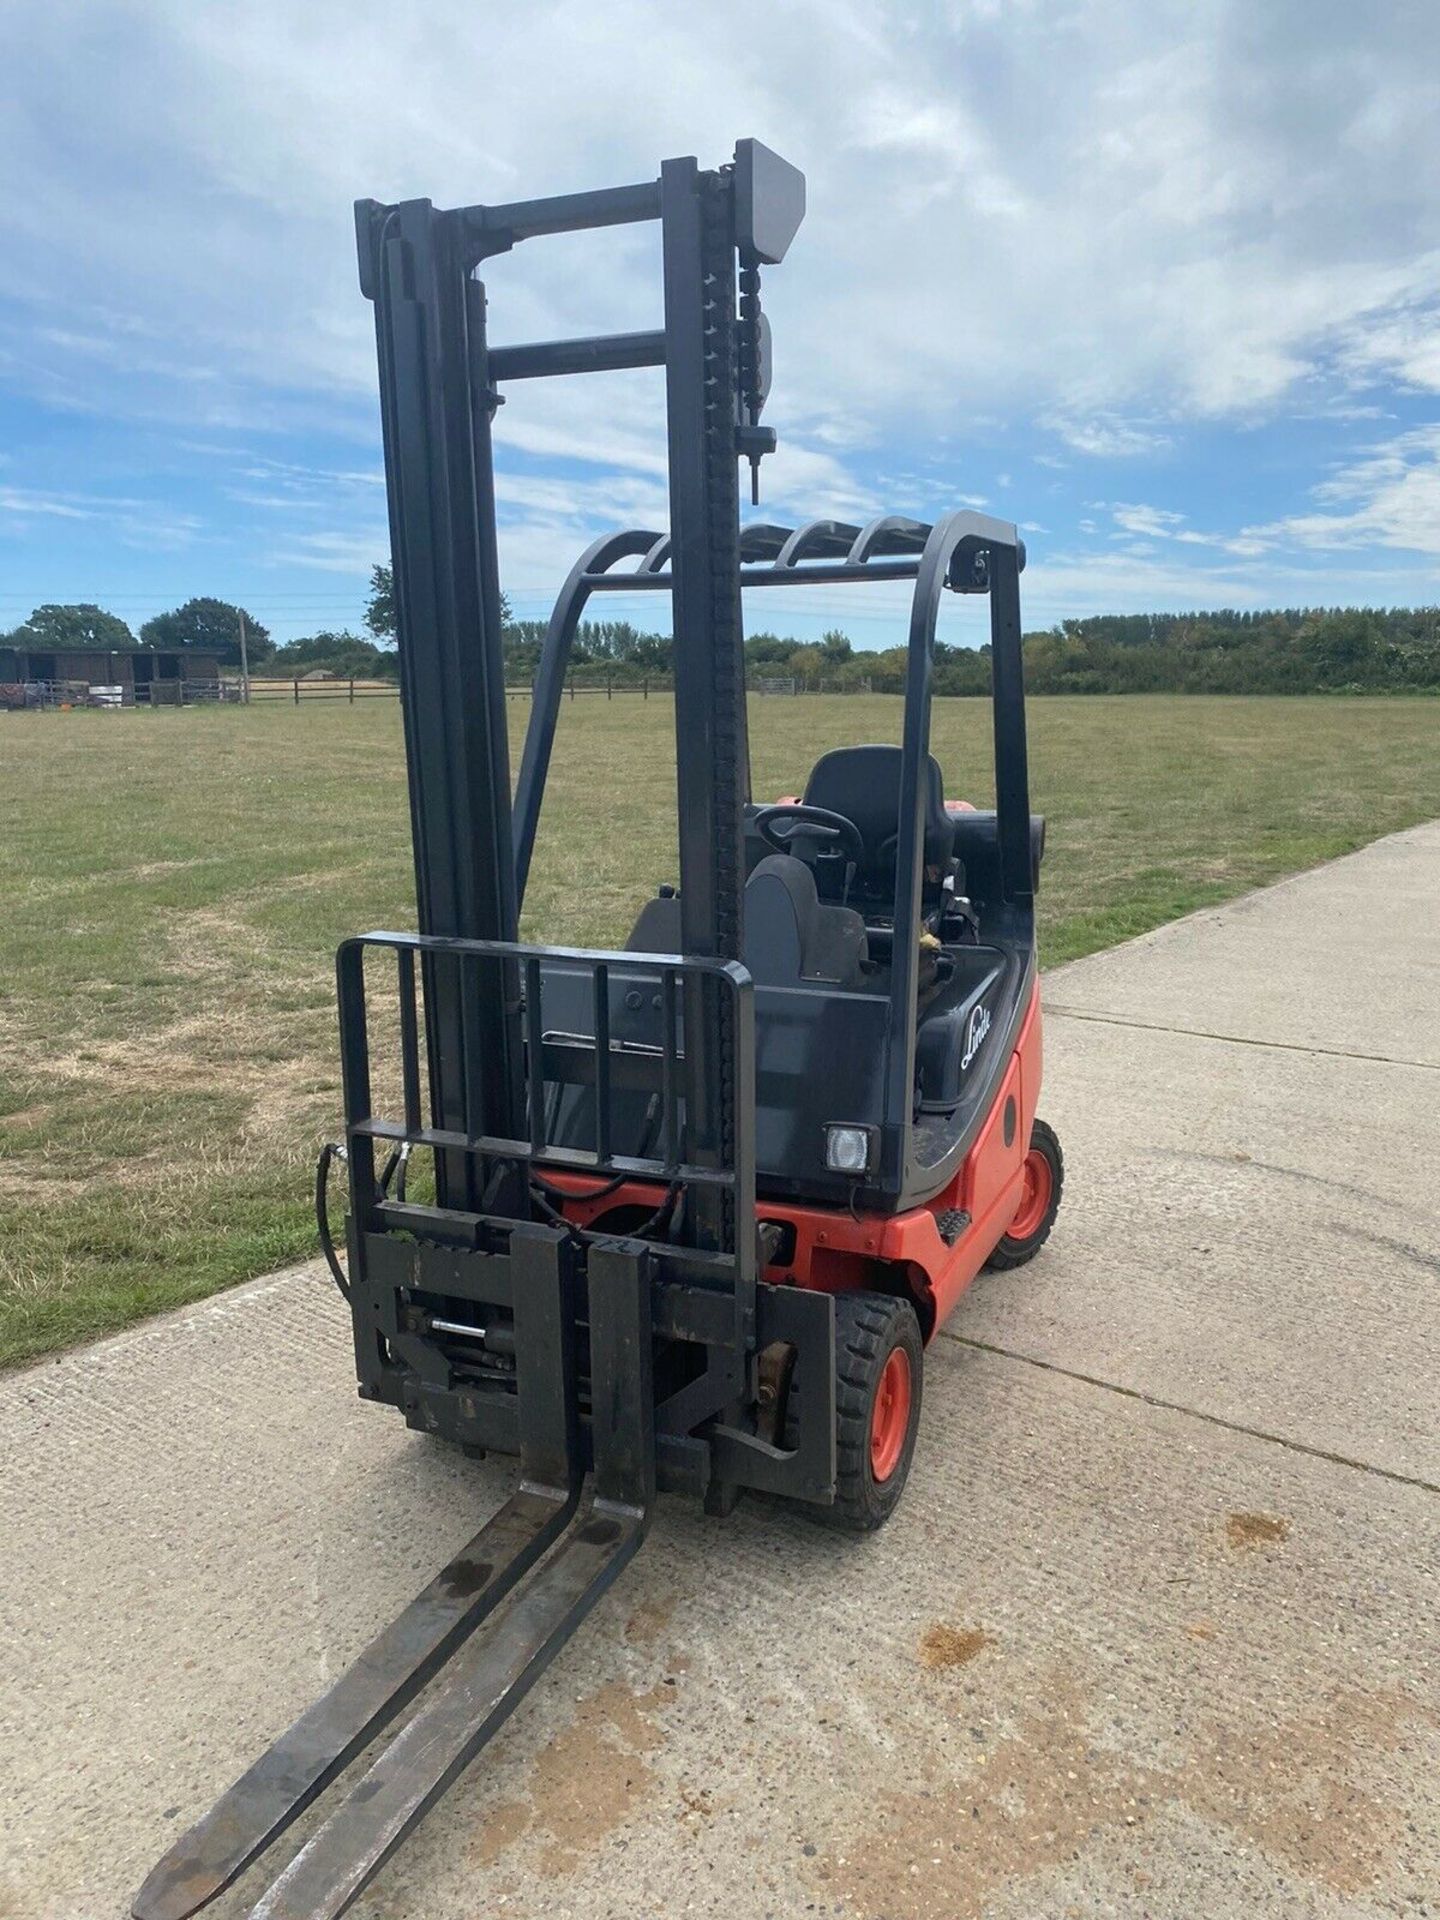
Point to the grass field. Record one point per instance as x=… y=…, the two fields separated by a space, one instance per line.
x=174 y=884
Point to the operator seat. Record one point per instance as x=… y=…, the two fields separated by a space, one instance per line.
x=792 y=938
x=863 y=784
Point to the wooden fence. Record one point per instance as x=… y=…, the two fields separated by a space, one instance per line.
x=295 y=690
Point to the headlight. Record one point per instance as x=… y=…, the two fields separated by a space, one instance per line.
x=848 y=1149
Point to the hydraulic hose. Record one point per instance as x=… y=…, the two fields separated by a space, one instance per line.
x=332 y=1150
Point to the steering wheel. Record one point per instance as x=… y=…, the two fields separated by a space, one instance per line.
x=810 y=822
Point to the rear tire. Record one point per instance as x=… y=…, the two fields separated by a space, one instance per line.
x=879 y=1362
x=1039 y=1202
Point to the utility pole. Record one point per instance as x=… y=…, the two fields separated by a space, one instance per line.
x=244 y=664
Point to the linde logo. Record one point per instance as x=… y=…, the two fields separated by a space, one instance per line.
x=975 y=1032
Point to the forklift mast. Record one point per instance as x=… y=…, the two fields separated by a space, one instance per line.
x=440 y=383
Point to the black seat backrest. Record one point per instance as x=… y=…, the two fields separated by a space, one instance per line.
x=977 y=847
x=790 y=937
x=863 y=783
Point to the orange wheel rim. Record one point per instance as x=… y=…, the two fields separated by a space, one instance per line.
x=890 y=1416
x=1034 y=1197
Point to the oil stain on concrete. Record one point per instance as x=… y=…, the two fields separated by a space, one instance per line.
x=1039 y=1797
x=590 y=1780
x=942 y=1646
x=1244 y=1530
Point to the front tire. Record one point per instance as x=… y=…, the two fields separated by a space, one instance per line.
x=1039 y=1202
x=879 y=1364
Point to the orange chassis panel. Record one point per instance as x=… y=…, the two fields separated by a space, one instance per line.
x=837 y=1251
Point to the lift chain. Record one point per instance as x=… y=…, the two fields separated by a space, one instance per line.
x=750 y=397
x=728 y=692
x=752 y=439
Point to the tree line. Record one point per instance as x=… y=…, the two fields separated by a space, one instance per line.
x=1228 y=650
x=1290 y=650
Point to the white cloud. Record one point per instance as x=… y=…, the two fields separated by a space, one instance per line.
x=18 y=500
x=1105 y=438
x=1073 y=583
x=1111 y=213
x=329 y=552
x=1144 y=525
x=135 y=523
x=1147 y=521
x=1111 y=219
x=1388 y=498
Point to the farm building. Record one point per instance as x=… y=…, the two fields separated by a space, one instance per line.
x=149 y=676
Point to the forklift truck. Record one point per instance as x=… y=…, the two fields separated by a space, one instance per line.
x=696 y=1205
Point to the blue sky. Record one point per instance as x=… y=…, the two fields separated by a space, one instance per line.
x=1160 y=282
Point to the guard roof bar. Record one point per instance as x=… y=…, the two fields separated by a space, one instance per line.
x=890 y=547
x=825 y=551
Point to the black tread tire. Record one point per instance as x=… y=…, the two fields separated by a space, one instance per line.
x=868 y=1327
x=1010 y=1253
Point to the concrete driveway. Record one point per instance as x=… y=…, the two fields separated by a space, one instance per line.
x=1156 y=1631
